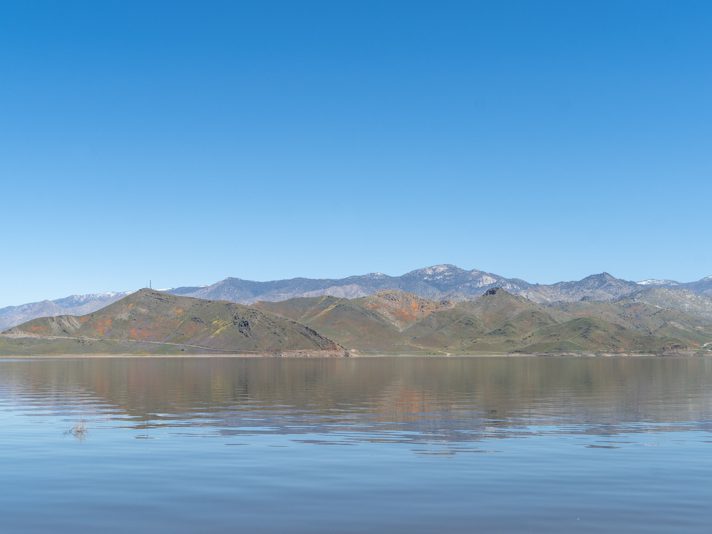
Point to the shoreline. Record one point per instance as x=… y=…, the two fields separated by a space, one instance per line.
x=349 y=356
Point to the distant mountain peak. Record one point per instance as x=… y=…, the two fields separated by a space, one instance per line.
x=601 y=276
x=440 y=269
x=604 y=278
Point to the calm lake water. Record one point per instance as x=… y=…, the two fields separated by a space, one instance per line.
x=358 y=445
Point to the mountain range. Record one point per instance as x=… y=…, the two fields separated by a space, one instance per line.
x=435 y=282
x=390 y=321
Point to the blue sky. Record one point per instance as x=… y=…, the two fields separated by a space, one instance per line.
x=189 y=141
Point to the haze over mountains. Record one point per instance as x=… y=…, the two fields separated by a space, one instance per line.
x=437 y=282
x=72 y=305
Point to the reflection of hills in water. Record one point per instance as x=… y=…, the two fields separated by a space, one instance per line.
x=402 y=399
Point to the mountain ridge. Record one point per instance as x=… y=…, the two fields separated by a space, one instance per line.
x=443 y=281
x=390 y=321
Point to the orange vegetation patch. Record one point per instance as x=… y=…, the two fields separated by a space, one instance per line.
x=407 y=311
x=139 y=334
x=191 y=329
x=404 y=314
x=103 y=325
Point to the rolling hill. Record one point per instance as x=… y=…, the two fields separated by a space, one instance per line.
x=73 y=305
x=151 y=321
x=495 y=322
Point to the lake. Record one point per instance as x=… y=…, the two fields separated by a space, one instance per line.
x=396 y=444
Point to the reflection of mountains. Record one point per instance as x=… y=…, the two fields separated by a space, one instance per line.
x=459 y=399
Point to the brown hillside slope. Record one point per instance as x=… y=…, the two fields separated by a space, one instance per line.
x=153 y=317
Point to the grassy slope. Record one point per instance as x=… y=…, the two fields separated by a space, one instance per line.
x=149 y=321
x=646 y=320
x=30 y=346
x=498 y=322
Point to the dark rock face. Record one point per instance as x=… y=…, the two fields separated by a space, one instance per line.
x=243 y=326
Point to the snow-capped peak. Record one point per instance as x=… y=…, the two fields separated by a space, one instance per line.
x=437 y=272
x=656 y=282
x=437 y=269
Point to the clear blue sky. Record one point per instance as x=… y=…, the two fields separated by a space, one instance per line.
x=189 y=141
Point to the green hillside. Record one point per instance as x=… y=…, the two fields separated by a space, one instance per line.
x=498 y=321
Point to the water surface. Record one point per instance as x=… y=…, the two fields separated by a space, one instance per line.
x=357 y=445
